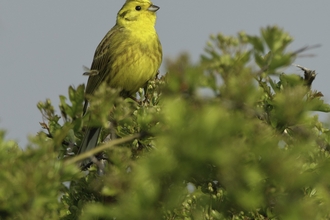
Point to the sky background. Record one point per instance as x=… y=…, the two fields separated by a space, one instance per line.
x=44 y=44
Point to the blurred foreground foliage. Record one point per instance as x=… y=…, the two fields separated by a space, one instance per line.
x=229 y=137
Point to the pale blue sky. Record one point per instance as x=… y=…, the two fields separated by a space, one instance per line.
x=44 y=44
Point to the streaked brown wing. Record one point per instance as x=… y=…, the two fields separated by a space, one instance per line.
x=102 y=58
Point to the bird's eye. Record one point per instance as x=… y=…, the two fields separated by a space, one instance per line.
x=138 y=8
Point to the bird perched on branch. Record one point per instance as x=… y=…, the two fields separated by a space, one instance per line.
x=129 y=56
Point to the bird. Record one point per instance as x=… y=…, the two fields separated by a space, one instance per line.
x=128 y=56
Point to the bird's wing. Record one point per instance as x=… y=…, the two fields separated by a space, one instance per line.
x=101 y=61
x=100 y=65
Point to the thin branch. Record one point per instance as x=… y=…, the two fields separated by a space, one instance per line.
x=306 y=48
x=101 y=148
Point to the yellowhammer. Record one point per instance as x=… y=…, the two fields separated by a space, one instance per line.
x=129 y=55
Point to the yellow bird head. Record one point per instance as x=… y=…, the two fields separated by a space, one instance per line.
x=137 y=12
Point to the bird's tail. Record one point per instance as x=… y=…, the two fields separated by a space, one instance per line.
x=89 y=142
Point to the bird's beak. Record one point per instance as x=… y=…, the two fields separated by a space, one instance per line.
x=153 y=8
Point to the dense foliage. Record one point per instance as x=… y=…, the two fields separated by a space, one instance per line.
x=229 y=137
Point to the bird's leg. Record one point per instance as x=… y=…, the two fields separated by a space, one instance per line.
x=146 y=99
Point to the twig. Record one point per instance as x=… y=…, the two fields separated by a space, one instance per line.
x=306 y=48
x=101 y=148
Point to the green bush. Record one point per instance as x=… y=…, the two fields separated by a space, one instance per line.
x=229 y=137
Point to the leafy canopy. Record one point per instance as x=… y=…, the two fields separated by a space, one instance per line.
x=229 y=137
